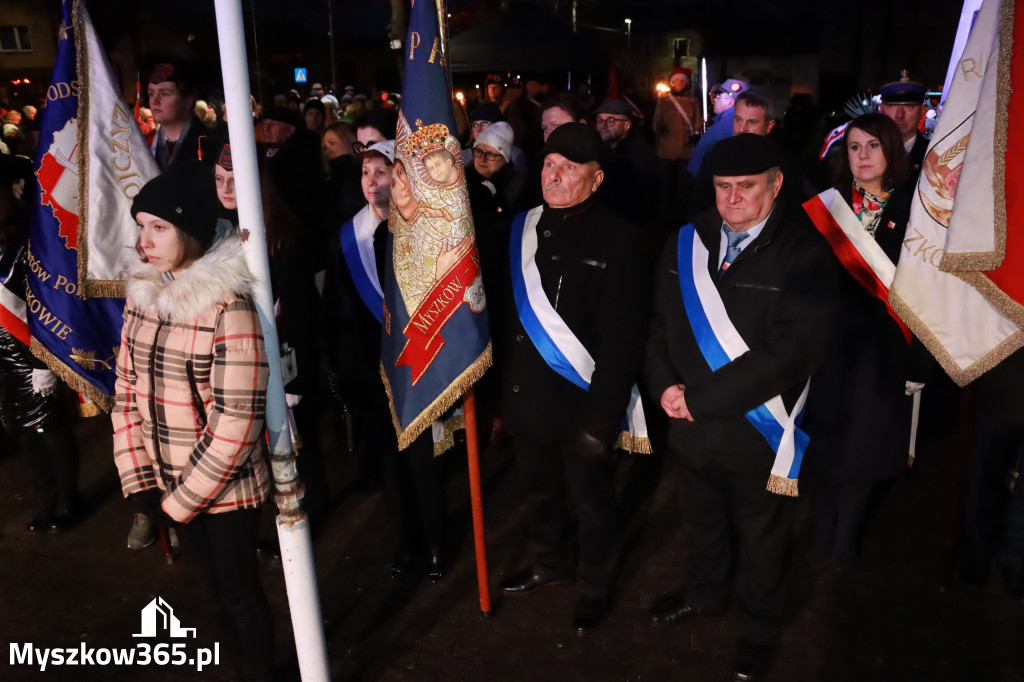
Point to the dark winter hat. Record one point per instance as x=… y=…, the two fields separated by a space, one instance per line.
x=14 y=168
x=575 y=141
x=281 y=114
x=185 y=196
x=745 y=154
x=616 y=107
x=488 y=111
x=173 y=71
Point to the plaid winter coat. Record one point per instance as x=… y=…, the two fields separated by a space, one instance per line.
x=191 y=387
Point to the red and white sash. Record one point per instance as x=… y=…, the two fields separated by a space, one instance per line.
x=857 y=250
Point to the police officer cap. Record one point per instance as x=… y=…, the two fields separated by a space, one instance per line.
x=903 y=91
x=731 y=86
x=576 y=141
x=184 y=195
x=745 y=154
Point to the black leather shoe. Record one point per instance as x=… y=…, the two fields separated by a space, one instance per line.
x=590 y=613
x=402 y=565
x=751 y=662
x=1013 y=581
x=40 y=522
x=528 y=581
x=673 y=609
x=62 y=520
x=436 y=567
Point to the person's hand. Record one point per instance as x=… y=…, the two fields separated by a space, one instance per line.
x=291 y=400
x=673 y=401
x=44 y=382
x=148 y=502
x=451 y=255
x=913 y=387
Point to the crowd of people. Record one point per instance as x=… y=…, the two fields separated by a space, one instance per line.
x=681 y=260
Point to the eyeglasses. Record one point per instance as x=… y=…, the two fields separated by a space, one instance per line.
x=480 y=125
x=487 y=156
x=610 y=120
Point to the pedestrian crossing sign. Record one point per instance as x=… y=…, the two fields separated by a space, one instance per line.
x=300 y=75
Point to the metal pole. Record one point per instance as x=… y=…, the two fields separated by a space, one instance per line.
x=477 y=501
x=330 y=33
x=292 y=522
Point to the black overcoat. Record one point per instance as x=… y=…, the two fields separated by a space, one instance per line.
x=780 y=295
x=593 y=270
x=858 y=413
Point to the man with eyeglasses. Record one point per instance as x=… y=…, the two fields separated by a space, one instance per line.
x=631 y=187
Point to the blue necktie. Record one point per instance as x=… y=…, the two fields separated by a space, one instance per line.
x=733 y=249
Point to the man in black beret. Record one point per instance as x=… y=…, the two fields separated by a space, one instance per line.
x=743 y=302
x=572 y=351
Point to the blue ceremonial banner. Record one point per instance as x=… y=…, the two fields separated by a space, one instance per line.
x=435 y=339
x=77 y=338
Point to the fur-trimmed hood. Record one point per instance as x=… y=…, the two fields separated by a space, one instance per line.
x=219 y=276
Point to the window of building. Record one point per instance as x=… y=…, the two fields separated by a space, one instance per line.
x=680 y=49
x=15 y=39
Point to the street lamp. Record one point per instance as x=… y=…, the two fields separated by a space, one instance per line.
x=629 y=25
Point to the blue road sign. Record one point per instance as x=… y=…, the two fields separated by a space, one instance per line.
x=300 y=75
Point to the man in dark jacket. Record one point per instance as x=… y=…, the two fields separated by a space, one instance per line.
x=631 y=188
x=172 y=99
x=748 y=278
x=580 y=310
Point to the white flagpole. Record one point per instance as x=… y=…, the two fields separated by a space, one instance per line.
x=704 y=90
x=292 y=522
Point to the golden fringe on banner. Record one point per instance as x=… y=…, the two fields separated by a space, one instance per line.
x=87 y=288
x=958 y=263
x=632 y=444
x=82 y=65
x=441 y=404
x=447 y=441
x=782 y=486
x=99 y=288
x=72 y=378
x=964 y=376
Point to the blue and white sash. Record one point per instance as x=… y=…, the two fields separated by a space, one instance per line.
x=364 y=274
x=551 y=336
x=720 y=344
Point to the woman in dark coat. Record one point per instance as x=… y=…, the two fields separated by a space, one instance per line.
x=859 y=411
x=33 y=403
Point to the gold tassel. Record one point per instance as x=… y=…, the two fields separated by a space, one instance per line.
x=782 y=486
x=88 y=408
